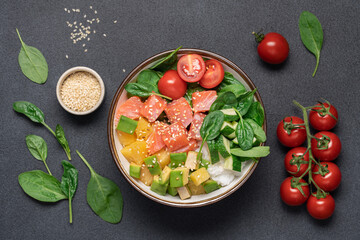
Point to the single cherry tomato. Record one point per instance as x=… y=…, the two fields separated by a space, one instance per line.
x=324 y=117
x=297 y=157
x=191 y=67
x=321 y=208
x=214 y=74
x=172 y=85
x=292 y=196
x=290 y=135
x=327 y=148
x=273 y=47
x=331 y=180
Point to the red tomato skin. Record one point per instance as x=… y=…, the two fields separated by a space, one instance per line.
x=331 y=180
x=292 y=196
x=214 y=74
x=334 y=147
x=172 y=85
x=186 y=62
x=323 y=123
x=274 y=48
x=298 y=151
x=296 y=137
x=322 y=208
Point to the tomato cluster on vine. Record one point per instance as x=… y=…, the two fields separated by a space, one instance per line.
x=313 y=162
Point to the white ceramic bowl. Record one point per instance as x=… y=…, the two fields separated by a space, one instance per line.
x=80 y=69
x=123 y=164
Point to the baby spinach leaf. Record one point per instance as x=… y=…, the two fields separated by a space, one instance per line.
x=32 y=63
x=69 y=183
x=29 y=110
x=311 y=34
x=41 y=186
x=256 y=113
x=60 y=136
x=103 y=196
x=244 y=134
x=167 y=62
x=255 y=152
x=38 y=148
x=224 y=101
x=259 y=133
x=244 y=102
x=229 y=79
x=148 y=76
x=191 y=88
x=143 y=90
x=237 y=89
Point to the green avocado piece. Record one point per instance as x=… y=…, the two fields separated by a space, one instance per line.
x=177 y=160
x=172 y=191
x=135 y=170
x=210 y=186
x=179 y=177
x=153 y=165
x=126 y=125
x=204 y=163
x=165 y=175
x=158 y=187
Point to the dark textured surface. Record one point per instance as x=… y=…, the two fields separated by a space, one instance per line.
x=143 y=29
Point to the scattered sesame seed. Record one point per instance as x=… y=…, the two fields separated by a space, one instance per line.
x=104 y=35
x=85 y=50
x=90 y=7
x=115 y=21
x=95 y=12
x=66 y=56
x=85 y=16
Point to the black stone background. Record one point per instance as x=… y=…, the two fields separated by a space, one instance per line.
x=145 y=28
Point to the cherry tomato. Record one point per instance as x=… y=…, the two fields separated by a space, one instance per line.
x=321 y=208
x=292 y=196
x=273 y=48
x=214 y=74
x=293 y=169
x=172 y=85
x=191 y=67
x=321 y=119
x=331 y=180
x=291 y=137
x=328 y=148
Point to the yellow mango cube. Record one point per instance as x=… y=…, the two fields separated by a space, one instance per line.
x=145 y=175
x=163 y=158
x=199 y=176
x=126 y=138
x=135 y=152
x=196 y=190
x=143 y=129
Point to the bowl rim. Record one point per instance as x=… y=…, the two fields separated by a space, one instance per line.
x=80 y=69
x=112 y=109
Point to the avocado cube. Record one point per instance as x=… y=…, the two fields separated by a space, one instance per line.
x=199 y=176
x=158 y=187
x=126 y=125
x=210 y=186
x=165 y=175
x=179 y=177
x=184 y=192
x=177 y=160
x=135 y=170
x=172 y=191
x=191 y=160
x=153 y=165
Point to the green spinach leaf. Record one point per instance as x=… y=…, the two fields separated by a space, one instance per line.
x=244 y=134
x=148 y=76
x=38 y=148
x=29 y=110
x=60 y=136
x=311 y=34
x=255 y=152
x=259 y=133
x=256 y=113
x=41 y=186
x=224 y=101
x=167 y=62
x=237 y=89
x=32 y=63
x=244 y=102
x=69 y=183
x=143 y=90
x=103 y=196
x=229 y=79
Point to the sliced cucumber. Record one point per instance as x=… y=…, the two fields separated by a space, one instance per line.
x=230 y=115
x=214 y=154
x=223 y=146
x=235 y=141
x=228 y=129
x=233 y=163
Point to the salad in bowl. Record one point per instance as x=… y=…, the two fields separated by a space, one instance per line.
x=187 y=128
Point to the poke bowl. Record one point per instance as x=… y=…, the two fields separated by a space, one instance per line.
x=228 y=181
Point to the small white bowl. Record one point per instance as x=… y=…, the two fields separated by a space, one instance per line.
x=80 y=69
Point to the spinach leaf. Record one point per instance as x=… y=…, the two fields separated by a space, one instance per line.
x=41 y=186
x=244 y=134
x=224 y=101
x=103 y=196
x=60 y=136
x=32 y=63
x=261 y=151
x=311 y=34
x=191 y=88
x=229 y=79
x=69 y=183
x=256 y=113
x=38 y=148
x=259 y=133
x=167 y=62
x=29 y=110
x=148 y=76
x=237 y=89
x=244 y=102
x=143 y=90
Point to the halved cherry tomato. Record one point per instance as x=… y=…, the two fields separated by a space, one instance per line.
x=321 y=208
x=214 y=74
x=172 y=85
x=327 y=148
x=289 y=135
x=191 y=67
x=331 y=180
x=296 y=157
x=320 y=117
x=292 y=196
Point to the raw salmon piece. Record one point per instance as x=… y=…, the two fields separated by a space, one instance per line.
x=155 y=142
x=153 y=107
x=202 y=101
x=179 y=111
x=130 y=108
x=194 y=132
x=175 y=137
x=191 y=147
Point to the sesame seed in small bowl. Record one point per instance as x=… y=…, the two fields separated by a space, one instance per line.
x=80 y=90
